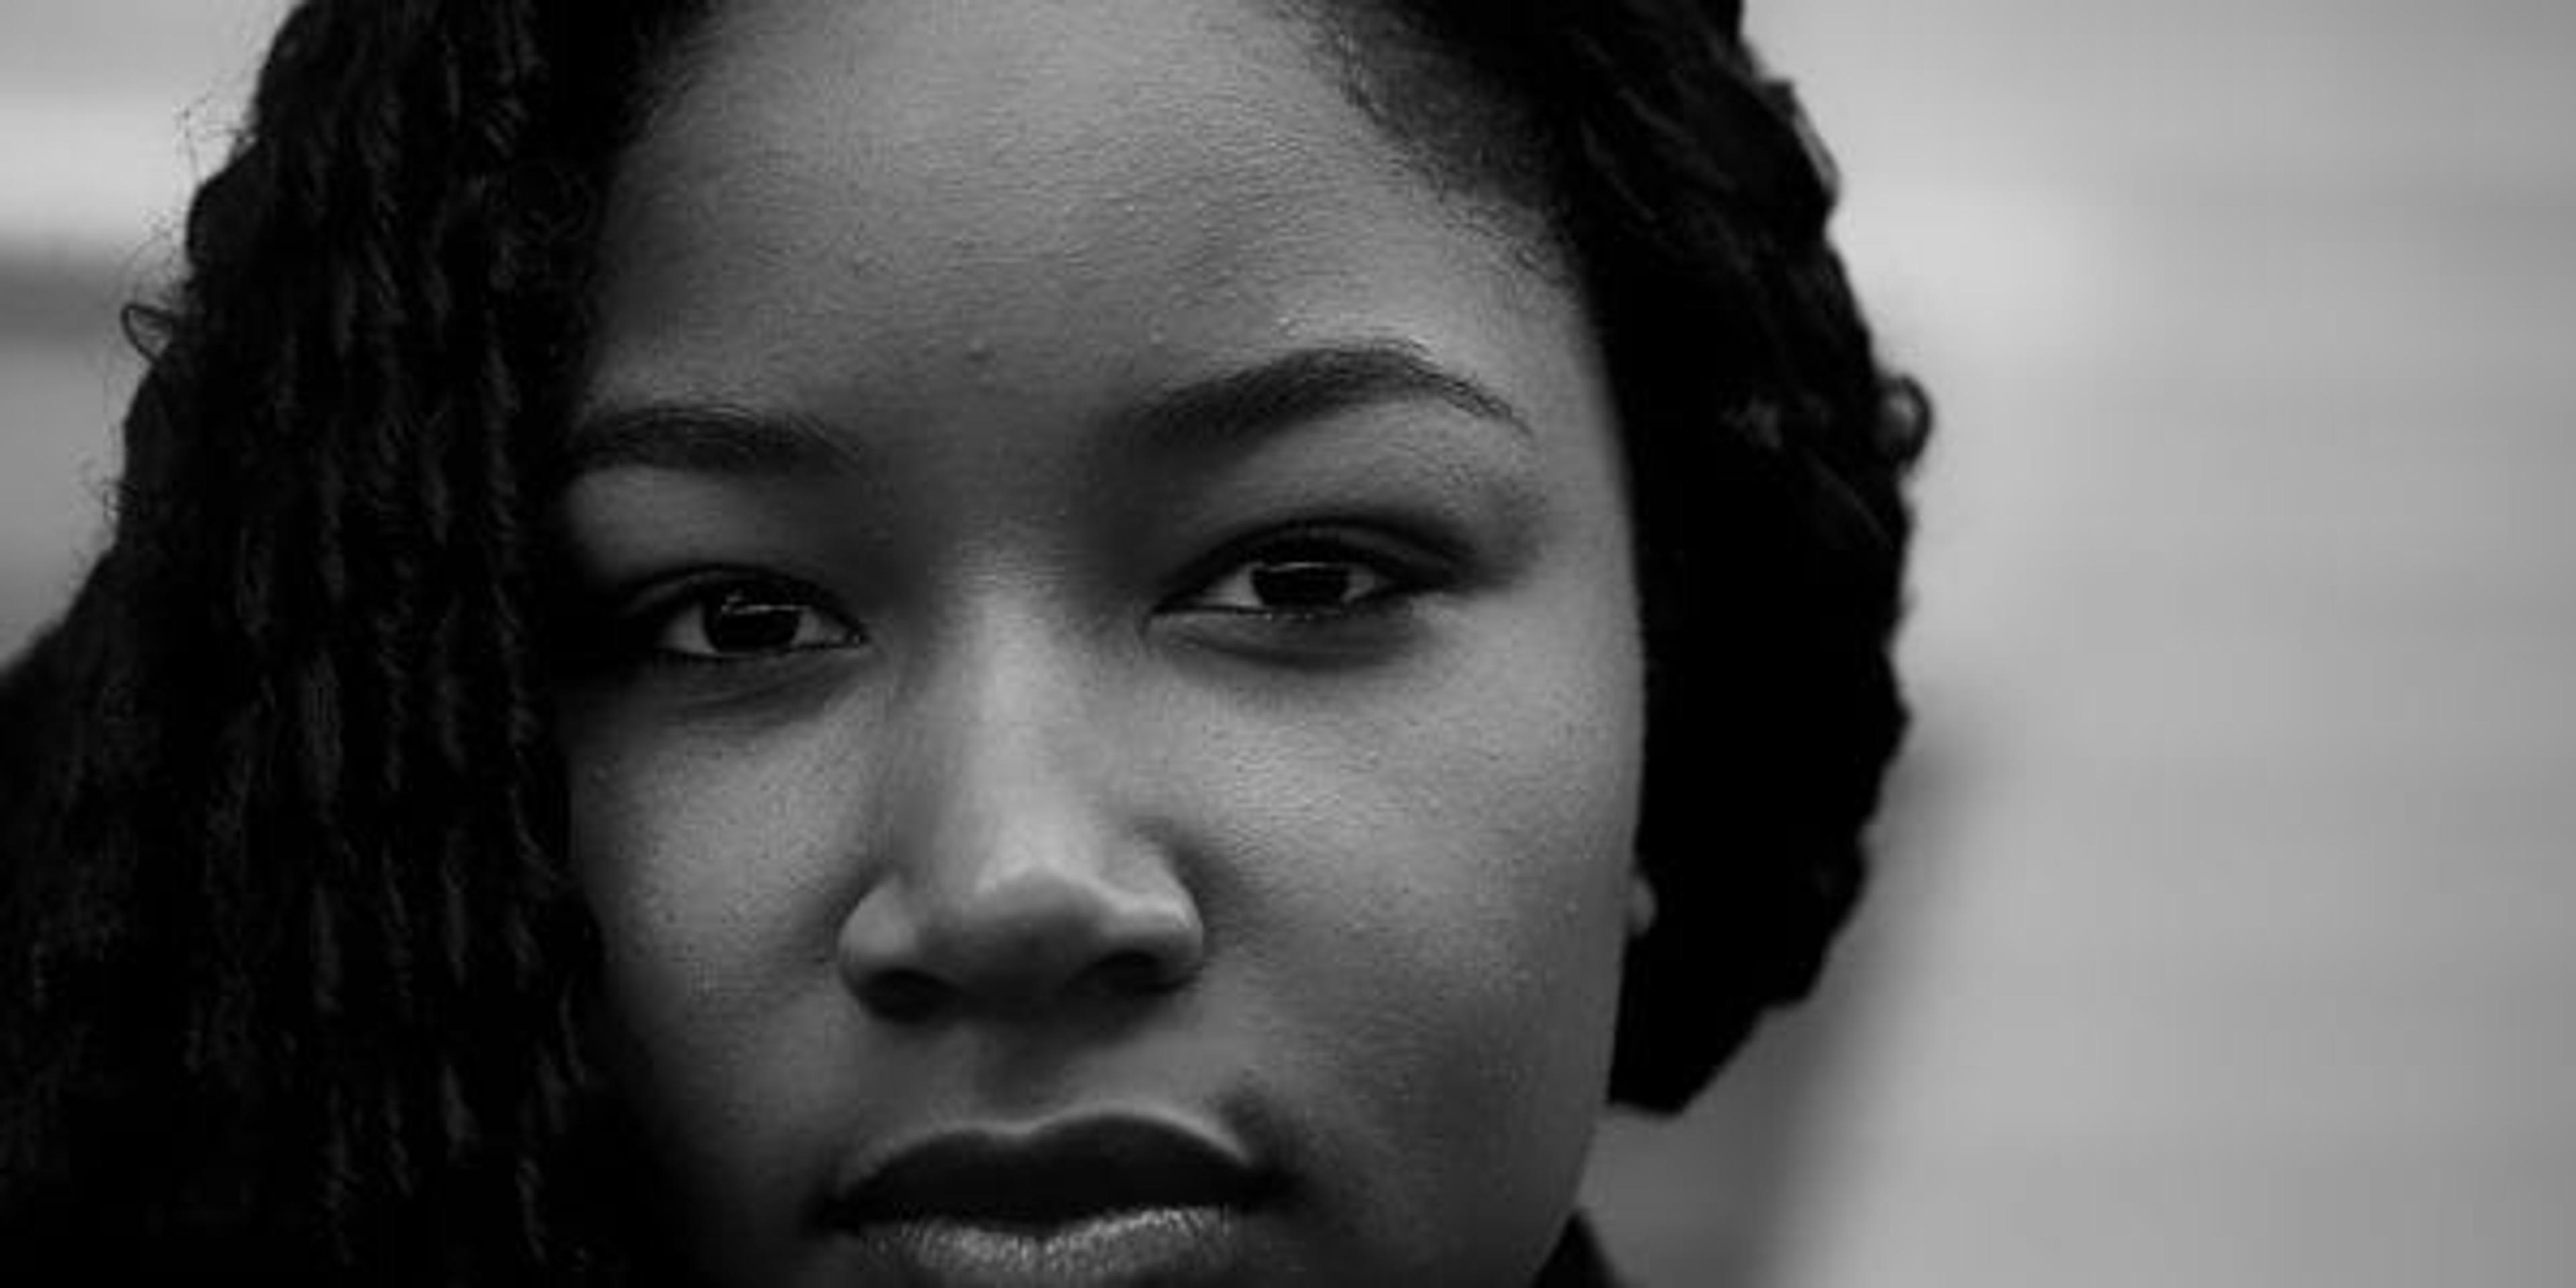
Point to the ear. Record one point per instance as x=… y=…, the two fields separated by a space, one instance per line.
x=1641 y=903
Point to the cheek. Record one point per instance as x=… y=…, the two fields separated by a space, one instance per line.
x=1447 y=888
x=710 y=877
x=707 y=867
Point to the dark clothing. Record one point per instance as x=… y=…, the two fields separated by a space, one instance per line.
x=1577 y=1261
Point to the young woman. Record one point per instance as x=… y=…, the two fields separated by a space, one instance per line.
x=950 y=641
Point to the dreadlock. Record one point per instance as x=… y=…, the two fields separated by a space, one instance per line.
x=293 y=962
x=293 y=967
x=1765 y=450
x=1767 y=456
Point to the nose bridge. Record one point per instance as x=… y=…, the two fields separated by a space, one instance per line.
x=1017 y=871
x=1006 y=788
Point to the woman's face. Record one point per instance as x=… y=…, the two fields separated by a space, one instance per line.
x=1113 y=741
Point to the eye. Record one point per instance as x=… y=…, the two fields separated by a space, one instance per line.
x=741 y=620
x=1302 y=578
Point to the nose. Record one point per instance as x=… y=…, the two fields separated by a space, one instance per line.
x=1019 y=881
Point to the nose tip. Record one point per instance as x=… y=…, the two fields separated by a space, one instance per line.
x=1020 y=866
x=1018 y=937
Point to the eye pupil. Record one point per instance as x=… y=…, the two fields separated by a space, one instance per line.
x=1302 y=585
x=743 y=623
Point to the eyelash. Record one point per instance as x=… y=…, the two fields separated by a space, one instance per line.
x=1399 y=575
x=641 y=634
x=1392 y=578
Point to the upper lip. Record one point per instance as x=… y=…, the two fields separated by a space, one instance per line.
x=1048 y=1175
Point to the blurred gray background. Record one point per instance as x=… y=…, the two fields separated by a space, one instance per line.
x=2222 y=934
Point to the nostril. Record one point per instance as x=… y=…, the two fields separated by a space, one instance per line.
x=1136 y=972
x=903 y=994
x=1015 y=926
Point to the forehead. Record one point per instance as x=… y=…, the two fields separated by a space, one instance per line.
x=1042 y=101
x=923 y=177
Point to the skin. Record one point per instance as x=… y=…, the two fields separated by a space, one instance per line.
x=991 y=724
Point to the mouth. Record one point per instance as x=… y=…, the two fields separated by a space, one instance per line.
x=1098 y=1200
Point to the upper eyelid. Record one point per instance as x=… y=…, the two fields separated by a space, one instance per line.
x=658 y=593
x=646 y=610
x=1393 y=540
x=1412 y=564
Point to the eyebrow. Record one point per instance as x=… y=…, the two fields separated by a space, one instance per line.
x=1305 y=385
x=702 y=437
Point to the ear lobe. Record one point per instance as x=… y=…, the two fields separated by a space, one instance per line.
x=1641 y=904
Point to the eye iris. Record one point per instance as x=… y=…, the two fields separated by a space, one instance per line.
x=1302 y=585
x=741 y=623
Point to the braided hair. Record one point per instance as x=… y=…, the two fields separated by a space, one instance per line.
x=293 y=967
x=1766 y=452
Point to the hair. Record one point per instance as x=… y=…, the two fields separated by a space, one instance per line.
x=294 y=967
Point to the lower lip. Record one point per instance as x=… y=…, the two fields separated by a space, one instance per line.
x=1182 y=1245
